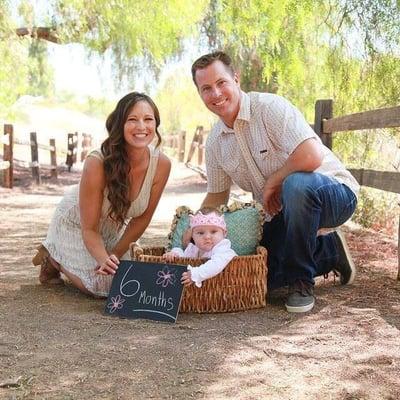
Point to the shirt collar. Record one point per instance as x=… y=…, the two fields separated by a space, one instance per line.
x=243 y=114
x=244 y=110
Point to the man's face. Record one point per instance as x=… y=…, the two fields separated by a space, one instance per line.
x=220 y=91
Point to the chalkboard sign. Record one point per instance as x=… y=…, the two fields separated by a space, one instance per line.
x=146 y=290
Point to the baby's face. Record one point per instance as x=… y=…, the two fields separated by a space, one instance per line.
x=205 y=237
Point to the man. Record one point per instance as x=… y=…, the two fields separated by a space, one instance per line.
x=263 y=144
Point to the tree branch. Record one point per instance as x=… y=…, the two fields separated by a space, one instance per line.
x=48 y=34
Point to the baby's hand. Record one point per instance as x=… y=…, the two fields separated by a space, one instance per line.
x=187 y=278
x=169 y=256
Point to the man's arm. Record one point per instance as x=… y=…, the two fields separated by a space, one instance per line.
x=216 y=199
x=307 y=157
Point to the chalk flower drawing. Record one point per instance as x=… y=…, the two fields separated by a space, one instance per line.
x=166 y=277
x=116 y=303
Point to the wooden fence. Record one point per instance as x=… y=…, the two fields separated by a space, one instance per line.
x=325 y=126
x=8 y=140
x=198 y=145
x=176 y=143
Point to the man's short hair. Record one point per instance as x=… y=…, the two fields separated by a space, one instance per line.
x=208 y=59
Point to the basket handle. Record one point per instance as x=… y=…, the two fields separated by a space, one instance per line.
x=135 y=251
x=261 y=250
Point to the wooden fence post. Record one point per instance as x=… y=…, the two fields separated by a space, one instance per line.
x=70 y=151
x=8 y=143
x=193 y=145
x=86 y=145
x=75 y=150
x=323 y=110
x=175 y=144
x=53 y=158
x=398 y=251
x=35 y=158
x=200 y=147
x=181 y=146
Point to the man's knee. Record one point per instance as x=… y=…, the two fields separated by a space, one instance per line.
x=298 y=188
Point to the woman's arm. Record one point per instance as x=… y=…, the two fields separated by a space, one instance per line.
x=91 y=192
x=138 y=225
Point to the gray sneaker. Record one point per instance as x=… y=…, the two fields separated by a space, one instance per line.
x=301 y=297
x=345 y=266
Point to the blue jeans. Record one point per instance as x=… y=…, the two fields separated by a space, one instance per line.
x=310 y=201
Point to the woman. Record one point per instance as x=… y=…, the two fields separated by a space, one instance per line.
x=120 y=188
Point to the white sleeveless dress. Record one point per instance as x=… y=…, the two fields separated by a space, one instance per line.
x=64 y=238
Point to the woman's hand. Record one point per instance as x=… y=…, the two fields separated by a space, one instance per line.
x=187 y=278
x=109 y=266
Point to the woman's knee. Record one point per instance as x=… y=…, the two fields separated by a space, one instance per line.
x=77 y=282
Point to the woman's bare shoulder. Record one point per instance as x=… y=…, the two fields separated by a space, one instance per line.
x=163 y=160
x=93 y=173
x=163 y=168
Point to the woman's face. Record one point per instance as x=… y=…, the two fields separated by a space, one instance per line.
x=140 y=125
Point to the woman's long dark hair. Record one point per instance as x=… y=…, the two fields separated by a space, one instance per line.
x=116 y=162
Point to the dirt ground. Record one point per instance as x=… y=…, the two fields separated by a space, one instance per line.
x=56 y=343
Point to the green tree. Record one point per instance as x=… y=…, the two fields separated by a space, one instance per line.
x=305 y=49
x=180 y=106
x=24 y=67
x=13 y=65
x=41 y=74
x=346 y=50
x=140 y=34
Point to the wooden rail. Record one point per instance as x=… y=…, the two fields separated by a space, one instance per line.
x=325 y=125
x=375 y=119
x=383 y=180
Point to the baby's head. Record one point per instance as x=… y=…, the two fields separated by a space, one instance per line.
x=208 y=228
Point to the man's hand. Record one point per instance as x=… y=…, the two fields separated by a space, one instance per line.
x=307 y=157
x=272 y=195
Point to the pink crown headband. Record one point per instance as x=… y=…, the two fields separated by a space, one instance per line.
x=212 y=219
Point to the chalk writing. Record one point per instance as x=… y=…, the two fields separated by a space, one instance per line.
x=146 y=290
x=166 y=277
x=131 y=284
x=116 y=303
x=158 y=301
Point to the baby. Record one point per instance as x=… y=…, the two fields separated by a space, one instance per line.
x=208 y=232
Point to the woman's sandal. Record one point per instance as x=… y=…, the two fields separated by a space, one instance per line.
x=41 y=254
x=49 y=274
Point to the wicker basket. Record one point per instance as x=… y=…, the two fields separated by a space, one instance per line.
x=240 y=286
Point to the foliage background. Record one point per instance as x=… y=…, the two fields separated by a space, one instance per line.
x=341 y=49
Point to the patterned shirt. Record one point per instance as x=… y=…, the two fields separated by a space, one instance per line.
x=272 y=128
